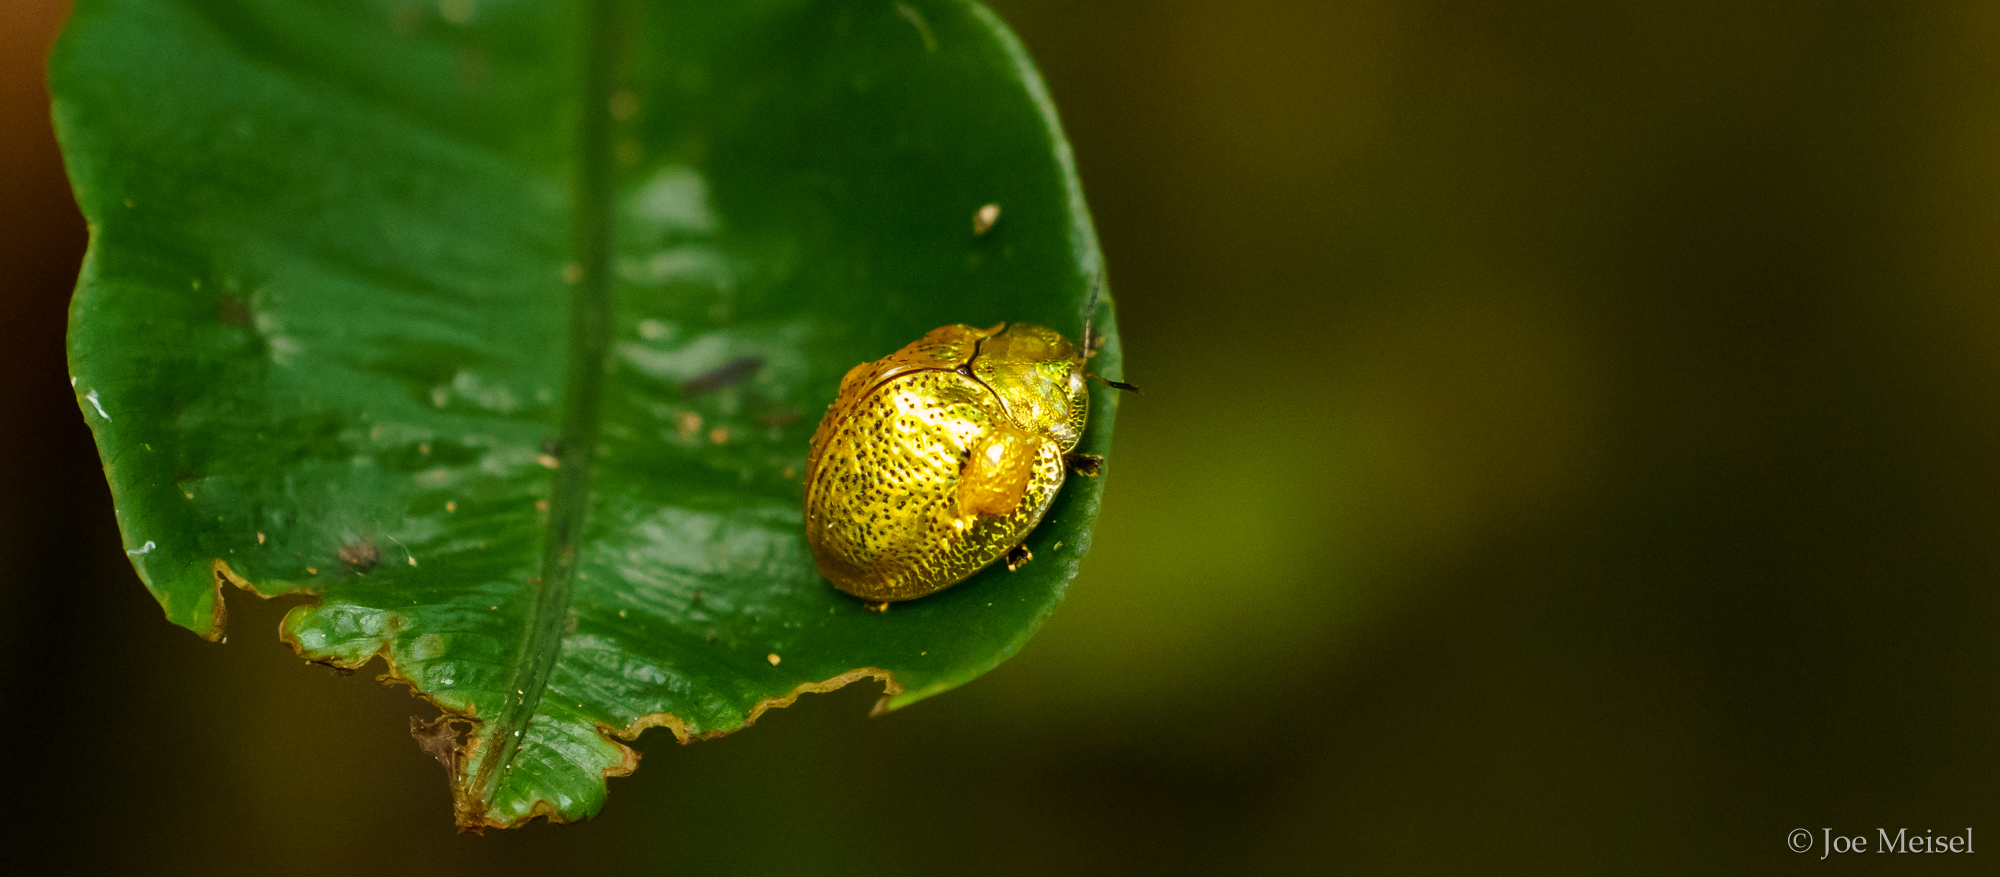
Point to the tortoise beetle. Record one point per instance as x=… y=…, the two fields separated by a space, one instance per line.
x=940 y=458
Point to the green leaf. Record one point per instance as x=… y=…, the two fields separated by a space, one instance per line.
x=440 y=313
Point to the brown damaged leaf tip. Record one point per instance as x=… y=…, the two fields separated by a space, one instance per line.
x=473 y=817
x=447 y=737
x=442 y=737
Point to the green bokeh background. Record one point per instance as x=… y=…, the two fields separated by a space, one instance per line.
x=1569 y=446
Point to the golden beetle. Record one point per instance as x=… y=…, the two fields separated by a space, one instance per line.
x=938 y=459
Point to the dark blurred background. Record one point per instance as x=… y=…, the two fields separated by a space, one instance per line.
x=1570 y=445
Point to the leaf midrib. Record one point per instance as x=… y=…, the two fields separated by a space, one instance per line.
x=589 y=344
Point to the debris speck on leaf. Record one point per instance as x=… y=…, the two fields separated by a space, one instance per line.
x=983 y=219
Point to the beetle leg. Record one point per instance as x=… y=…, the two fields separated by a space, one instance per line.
x=1018 y=556
x=1087 y=465
x=875 y=605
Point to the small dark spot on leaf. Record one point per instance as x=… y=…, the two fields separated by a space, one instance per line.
x=405 y=17
x=232 y=311
x=474 y=65
x=732 y=372
x=361 y=556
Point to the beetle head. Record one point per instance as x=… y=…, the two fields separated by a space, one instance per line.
x=1038 y=377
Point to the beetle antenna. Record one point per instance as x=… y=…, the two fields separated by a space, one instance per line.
x=1117 y=385
x=1090 y=340
x=1090 y=314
